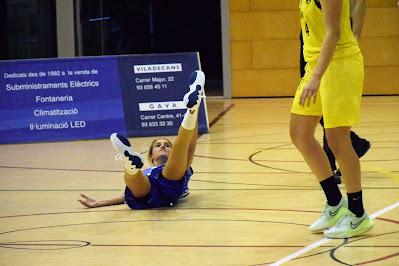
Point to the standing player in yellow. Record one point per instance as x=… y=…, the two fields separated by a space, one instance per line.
x=332 y=87
x=360 y=145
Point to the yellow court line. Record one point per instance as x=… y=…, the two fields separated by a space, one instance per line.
x=385 y=172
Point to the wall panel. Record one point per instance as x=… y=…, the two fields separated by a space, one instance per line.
x=275 y=54
x=265 y=47
x=265 y=82
x=242 y=55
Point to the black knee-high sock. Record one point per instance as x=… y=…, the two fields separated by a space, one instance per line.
x=355 y=203
x=331 y=191
x=326 y=148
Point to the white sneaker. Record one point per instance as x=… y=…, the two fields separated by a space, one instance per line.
x=350 y=226
x=330 y=216
x=192 y=99
x=132 y=160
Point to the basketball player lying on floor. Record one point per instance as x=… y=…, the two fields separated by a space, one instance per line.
x=166 y=181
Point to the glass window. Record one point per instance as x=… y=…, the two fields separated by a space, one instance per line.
x=110 y=27
x=113 y=27
x=30 y=28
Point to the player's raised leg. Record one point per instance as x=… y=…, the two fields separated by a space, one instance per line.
x=135 y=180
x=179 y=158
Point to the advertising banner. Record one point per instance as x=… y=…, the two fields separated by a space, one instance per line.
x=92 y=97
x=153 y=87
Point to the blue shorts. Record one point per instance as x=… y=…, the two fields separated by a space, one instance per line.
x=163 y=193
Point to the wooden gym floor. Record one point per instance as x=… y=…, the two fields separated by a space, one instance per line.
x=252 y=198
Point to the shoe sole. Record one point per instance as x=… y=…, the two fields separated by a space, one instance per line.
x=359 y=233
x=196 y=84
x=123 y=141
x=115 y=138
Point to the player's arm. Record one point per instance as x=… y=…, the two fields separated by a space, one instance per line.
x=332 y=16
x=358 y=8
x=93 y=203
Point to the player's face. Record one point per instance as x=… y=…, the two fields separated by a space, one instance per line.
x=161 y=150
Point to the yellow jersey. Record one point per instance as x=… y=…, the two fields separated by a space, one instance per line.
x=313 y=31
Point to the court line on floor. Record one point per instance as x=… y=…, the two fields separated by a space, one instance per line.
x=325 y=240
x=221 y=114
x=385 y=172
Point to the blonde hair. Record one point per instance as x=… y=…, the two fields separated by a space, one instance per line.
x=149 y=155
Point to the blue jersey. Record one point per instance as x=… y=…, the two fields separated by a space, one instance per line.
x=163 y=192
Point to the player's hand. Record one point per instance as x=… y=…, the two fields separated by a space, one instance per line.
x=309 y=92
x=88 y=202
